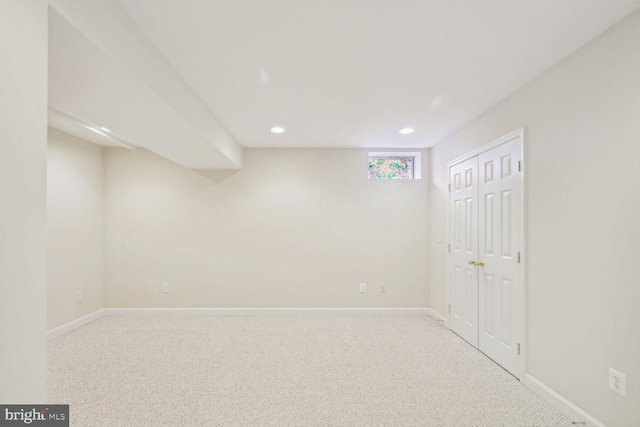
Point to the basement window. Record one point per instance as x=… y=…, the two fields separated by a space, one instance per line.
x=399 y=165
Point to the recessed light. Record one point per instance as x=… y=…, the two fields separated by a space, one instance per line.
x=406 y=131
x=277 y=129
x=98 y=131
x=105 y=129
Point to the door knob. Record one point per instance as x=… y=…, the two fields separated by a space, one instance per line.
x=473 y=262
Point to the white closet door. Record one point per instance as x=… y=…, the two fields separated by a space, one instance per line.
x=499 y=203
x=464 y=248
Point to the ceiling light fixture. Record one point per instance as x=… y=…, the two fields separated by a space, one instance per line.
x=98 y=131
x=406 y=131
x=277 y=129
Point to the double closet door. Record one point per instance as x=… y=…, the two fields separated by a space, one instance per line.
x=485 y=217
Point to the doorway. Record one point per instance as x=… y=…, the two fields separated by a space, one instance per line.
x=486 y=218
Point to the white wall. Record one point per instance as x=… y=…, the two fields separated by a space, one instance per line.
x=75 y=245
x=582 y=163
x=293 y=228
x=23 y=145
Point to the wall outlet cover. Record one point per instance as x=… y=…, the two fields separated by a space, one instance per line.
x=618 y=382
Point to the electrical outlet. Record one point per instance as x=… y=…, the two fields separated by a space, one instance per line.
x=363 y=287
x=78 y=295
x=383 y=289
x=618 y=382
x=165 y=288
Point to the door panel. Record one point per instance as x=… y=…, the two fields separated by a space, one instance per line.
x=499 y=278
x=485 y=225
x=464 y=231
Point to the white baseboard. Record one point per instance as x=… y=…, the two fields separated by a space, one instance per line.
x=263 y=311
x=431 y=312
x=570 y=410
x=75 y=324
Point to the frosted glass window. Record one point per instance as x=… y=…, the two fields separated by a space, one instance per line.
x=391 y=168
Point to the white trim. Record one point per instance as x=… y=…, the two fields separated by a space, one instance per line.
x=263 y=311
x=570 y=410
x=516 y=134
x=437 y=316
x=211 y=311
x=417 y=159
x=75 y=324
x=524 y=218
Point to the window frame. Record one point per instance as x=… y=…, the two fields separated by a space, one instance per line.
x=415 y=155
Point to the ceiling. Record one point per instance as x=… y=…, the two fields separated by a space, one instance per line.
x=197 y=80
x=351 y=73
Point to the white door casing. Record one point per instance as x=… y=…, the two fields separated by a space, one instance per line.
x=463 y=208
x=486 y=200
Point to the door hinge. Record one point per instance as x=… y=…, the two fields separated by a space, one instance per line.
x=518 y=257
x=518 y=349
x=449 y=308
x=519 y=165
x=449 y=187
x=449 y=247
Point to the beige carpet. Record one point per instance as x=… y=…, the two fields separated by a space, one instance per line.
x=303 y=370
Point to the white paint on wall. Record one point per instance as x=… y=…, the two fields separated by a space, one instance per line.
x=23 y=139
x=294 y=228
x=582 y=168
x=75 y=245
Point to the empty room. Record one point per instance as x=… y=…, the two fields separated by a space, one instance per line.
x=320 y=213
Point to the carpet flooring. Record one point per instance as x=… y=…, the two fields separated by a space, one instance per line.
x=281 y=371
